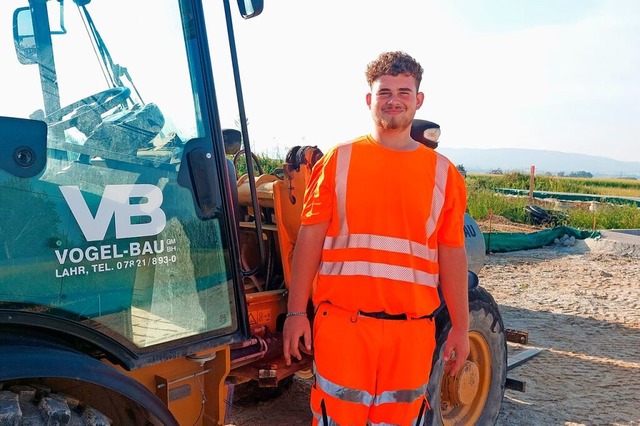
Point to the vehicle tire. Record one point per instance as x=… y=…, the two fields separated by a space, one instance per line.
x=475 y=395
x=537 y=215
x=36 y=405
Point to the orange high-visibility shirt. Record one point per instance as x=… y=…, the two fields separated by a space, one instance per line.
x=388 y=211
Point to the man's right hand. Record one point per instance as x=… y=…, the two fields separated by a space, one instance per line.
x=296 y=327
x=304 y=267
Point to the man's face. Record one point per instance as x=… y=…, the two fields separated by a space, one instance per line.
x=393 y=101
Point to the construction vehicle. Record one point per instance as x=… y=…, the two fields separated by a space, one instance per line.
x=142 y=280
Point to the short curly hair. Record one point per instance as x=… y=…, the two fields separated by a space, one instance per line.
x=394 y=63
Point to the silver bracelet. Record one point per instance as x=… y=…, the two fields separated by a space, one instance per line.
x=295 y=314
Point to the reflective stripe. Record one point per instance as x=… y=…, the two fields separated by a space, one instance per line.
x=437 y=202
x=342 y=172
x=378 y=242
x=379 y=270
x=331 y=422
x=343 y=393
x=365 y=398
x=381 y=242
x=413 y=422
x=408 y=395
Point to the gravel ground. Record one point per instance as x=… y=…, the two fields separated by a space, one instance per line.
x=580 y=305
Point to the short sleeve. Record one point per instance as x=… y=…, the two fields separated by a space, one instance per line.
x=320 y=192
x=451 y=231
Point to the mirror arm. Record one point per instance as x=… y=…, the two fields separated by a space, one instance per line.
x=246 y=143
x=63 y=30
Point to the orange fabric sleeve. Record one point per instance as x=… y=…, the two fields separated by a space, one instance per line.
x=320 y=192
x=451 y=231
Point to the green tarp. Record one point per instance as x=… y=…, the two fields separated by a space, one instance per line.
x=499 y=242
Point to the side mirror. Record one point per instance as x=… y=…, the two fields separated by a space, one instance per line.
x=250 y=8
x=425 y=132
x=23 y=36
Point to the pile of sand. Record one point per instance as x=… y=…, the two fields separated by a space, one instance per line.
x=618 y=243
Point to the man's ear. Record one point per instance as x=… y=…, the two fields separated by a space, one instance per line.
x=419 y=99
x=369 y=100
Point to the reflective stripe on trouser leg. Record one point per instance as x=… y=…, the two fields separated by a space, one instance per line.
x=370 y=371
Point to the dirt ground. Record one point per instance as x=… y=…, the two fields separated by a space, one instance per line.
x=580 y=305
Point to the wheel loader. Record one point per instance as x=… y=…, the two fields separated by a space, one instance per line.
x=142 y=280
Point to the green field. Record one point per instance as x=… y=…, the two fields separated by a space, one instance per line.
x=483 y=199
x=594 y=186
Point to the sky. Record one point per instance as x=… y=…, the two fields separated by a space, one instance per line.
x=559 y=75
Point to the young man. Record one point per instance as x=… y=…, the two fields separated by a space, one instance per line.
x=382 y=227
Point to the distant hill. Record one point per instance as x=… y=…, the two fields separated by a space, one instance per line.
x=516 y=159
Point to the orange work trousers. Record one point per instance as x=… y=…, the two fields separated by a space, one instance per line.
x=368 y=370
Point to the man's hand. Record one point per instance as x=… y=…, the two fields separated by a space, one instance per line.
x=297 y=327
x=453 y=281
x=456 y=351
x=304 y=267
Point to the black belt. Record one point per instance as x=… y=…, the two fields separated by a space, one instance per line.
x=386 y=316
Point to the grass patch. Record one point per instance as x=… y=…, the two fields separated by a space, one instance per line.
x=593 y=186
x=606 y=217
x=481 y=199
x=480 y=202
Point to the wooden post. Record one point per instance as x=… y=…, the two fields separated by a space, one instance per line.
x=488 y=248
x=531 y=183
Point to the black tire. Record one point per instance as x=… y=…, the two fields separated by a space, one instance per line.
x=36 y=405
x=537 y=215
x=488 y=341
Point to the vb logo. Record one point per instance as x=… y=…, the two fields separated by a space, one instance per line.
x=123 y=202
